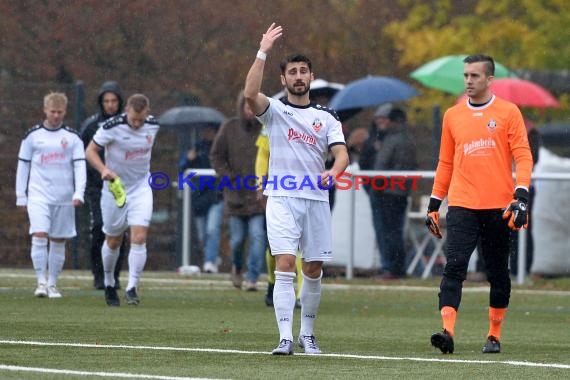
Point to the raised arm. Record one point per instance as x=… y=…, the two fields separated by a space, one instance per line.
x=257 y=100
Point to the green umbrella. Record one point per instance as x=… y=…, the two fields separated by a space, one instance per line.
x=446 y=74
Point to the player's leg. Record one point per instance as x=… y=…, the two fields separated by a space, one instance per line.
x=462 y=234
x=39 y=217
x=114 y=226
x=495 y=241
x=62 y=228
x=123 y=252
x=137 y=260
x=39 y=255
x=284 y=294
x=283 y=232
x=139 y=213
x=56 y=259
x=316 y=247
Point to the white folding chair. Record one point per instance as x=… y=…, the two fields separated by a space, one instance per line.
x=420 y=243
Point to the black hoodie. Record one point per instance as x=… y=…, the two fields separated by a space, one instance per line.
x=90 y=126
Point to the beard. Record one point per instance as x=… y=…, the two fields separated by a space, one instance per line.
x=293 y=91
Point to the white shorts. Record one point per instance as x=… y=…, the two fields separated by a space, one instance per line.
x=137 y=211
x=299 y=224
x=56 y=221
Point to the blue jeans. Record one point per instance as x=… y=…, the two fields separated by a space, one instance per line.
x=213 y=232
x=255 y=226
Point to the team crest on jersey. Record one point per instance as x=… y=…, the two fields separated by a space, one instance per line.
x=149 y=138
x=317 y=125
x=64 y=143
x=492 y=125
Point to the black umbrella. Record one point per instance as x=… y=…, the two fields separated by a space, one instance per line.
x=191 y=117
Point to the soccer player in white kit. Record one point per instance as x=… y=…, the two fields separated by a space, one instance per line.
x=50 y=183
x=128 y=140
x=298 y=215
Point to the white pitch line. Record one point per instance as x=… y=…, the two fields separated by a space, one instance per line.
x=347 y=356
x=115 y=375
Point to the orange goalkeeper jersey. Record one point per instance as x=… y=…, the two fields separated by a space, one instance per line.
x=478 y=148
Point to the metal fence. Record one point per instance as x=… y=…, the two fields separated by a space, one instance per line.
x=349 y=265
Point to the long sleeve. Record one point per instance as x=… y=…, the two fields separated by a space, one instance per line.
x=519 y=145
x=79 y=171
x=444 y=169
x=80 y=179
x=22 y=176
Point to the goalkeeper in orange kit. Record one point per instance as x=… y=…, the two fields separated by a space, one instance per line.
x=481 y=138
x=261 y=170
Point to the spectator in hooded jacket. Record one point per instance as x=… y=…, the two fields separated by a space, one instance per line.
x=110 y=103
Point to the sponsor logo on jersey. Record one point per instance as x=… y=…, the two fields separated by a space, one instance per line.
x=48 y=158
x=288 y=113
x=492 y=126
x=293 y=135
x=479 y=147
x=135 y=153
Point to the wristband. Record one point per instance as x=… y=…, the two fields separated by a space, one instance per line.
x=261 y=55
x=434 y=204
x=521 y=194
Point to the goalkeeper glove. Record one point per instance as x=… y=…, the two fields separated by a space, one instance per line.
x=432 y=217
x=516 y=212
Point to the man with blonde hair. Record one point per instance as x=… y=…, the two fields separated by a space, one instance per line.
x=50 y=183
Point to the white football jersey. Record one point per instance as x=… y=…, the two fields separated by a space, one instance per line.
x=299 y=141
x=51 y=155
x=127 y=150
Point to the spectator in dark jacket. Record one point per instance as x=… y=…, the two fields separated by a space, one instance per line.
x=110 y=103
x=396 y=151
x=233 y=157
x=207 y=203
